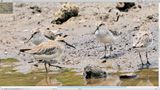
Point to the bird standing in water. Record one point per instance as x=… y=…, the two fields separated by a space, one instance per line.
x=47 y=51
x=142 y=42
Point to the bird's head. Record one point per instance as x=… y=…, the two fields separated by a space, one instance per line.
x=35 y=32
x=61 y=39
x=99 y=25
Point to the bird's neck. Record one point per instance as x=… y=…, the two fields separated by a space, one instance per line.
x=61 y=44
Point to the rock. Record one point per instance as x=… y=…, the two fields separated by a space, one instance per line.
x=128 y=75
x=125 y=6
x=153 y=18
x=66 y=12
x=91 y=71
x=36 y=9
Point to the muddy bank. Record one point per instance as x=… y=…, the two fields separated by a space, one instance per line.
x=18 y=27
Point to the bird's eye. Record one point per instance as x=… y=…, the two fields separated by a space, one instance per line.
x=142 y=45
x=133 y=35
x=48 y=28
x=65 y=36
x=61 y=40
x=35 y=33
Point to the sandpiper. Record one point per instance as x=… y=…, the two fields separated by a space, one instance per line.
x=142 y=42
x=47 y=51
x=105 y=36
x=38 y=37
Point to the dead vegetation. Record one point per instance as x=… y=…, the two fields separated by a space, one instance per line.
x=66 y=12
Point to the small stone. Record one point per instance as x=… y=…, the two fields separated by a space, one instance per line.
x=92 y=71
x=125 y=6
x=128 y=75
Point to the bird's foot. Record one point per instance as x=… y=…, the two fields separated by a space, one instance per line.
x=30 y=62
x=55 y=66
x=105 y=57
x=145 y=66
x=104 y=61
x=141 y=66
x=36 y=65
x=148 y=64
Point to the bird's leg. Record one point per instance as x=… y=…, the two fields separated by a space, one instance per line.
x=54 y=65
x=105 y=49
x=45 y=65
x=110 y=50
x=49 y=64
x=148 y=63
x=141 y=60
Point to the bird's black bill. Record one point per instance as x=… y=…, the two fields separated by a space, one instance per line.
x=23 y=50
x=30 y=37
x=70 y=45
x=96 y=30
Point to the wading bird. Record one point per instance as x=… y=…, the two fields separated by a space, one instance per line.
x=105 y=36
x=47 y=51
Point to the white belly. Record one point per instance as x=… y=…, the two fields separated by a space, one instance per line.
x=38 y=40
x=44 y=57
x=104 y=39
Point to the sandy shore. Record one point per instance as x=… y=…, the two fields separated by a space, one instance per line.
x=16 y=28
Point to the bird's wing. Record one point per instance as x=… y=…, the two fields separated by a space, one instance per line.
x=113 y=32
x=143 y=40
x=44 y=48
x=49 y=35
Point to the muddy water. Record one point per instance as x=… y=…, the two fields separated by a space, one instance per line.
x=146 y=77
x=68 y=77
x=71 y=79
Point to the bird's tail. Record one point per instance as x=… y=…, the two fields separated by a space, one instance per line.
x=23 y=50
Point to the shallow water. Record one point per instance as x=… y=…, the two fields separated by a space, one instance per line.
x=145 y=77
x=68 y=77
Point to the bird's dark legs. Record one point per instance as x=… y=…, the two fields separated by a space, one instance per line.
x=54 y=65
x=45 y=65
x=148 y=63
x=142 y=64
x=49 y=64
x=110 y=50
x=105 y=50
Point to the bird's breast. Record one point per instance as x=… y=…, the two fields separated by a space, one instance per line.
x=104 y=38
x=37 y=40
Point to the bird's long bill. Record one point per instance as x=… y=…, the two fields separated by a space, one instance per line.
x=96 y=30
x=29 y=39
x=70 y=45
